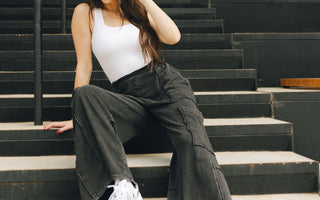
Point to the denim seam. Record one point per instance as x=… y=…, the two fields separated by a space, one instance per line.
x=87 y=186
x=187 y=123
x=163 y=85
x=216 y=179
x=91 y=191
x=84 y=130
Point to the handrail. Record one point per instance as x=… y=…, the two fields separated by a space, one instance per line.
x=63 y=16
x=37 y=64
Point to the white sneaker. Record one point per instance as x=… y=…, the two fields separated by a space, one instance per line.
x=124 y=190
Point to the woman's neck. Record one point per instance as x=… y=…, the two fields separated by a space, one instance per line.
x=112 y=6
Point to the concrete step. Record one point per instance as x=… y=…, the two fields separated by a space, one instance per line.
x=269 y=16
x=272 y=54
x=201 y=80
x=182 y=59
x=246 y=173
x=302 y=107
x=53 y=26
x=21 y=42
x=233 y=104
x=236 y=134
x=54 y=13
x=73 y=3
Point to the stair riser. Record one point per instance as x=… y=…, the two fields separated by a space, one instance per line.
x=24 y=113
x=147 y=145
x=54 y=14
x=66 y=60
x=61 y=42
x=236 y=110
x=153 y=182
x=231 y=143
x=41 y=190
x=73 y=3
x=70 y=65
x=5 y=28
x=64 y=87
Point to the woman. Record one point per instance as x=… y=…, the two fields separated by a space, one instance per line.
x=125 y=37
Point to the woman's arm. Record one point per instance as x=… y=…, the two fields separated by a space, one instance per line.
x=82 y=42
x=166 y=29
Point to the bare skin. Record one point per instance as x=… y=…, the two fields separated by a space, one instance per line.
x=163 y=25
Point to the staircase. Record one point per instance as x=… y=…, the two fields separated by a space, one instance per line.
x=253 y=148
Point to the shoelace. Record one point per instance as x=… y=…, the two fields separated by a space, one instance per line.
x=122 y=192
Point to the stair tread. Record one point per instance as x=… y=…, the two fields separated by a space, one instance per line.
x=152 y=160
x=13 y=126
x=243 y=121
x=280 y=89
x=293 y=196
x=4 y=96
x=231 y=93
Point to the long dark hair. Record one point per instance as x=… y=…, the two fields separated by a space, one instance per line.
x=135 y=13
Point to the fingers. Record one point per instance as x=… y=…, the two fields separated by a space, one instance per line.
x=68 y=126
x=62 y=130
x=53 y=124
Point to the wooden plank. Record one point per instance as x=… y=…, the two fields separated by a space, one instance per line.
x=301 y=82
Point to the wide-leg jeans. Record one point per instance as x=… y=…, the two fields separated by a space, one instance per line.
x=103 y=120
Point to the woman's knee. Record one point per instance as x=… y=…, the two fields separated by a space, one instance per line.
x=83 y=90
x=81 y=95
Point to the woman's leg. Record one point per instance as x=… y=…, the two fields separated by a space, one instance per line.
x=194 y=170
x=103 y=120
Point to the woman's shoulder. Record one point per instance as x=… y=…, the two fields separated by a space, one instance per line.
x=82 y=8
x=82 y=12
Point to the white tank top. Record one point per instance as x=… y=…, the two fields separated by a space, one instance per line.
x=117 y=49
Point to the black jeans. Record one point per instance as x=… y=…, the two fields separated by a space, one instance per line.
x=104 y=120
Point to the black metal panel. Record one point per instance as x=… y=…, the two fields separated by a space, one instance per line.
x=305 y=117
x=277 y=56
x=269 y=16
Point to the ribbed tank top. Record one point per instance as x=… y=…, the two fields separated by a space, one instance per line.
x=117 y=49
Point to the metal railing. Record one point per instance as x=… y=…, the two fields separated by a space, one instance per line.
x=38 y=101
x=38 y=86
x=63 y=16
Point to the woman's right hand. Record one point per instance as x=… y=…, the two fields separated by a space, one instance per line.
x=63 y=125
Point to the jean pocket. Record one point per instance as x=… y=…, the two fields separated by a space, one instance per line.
x=193 y=119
